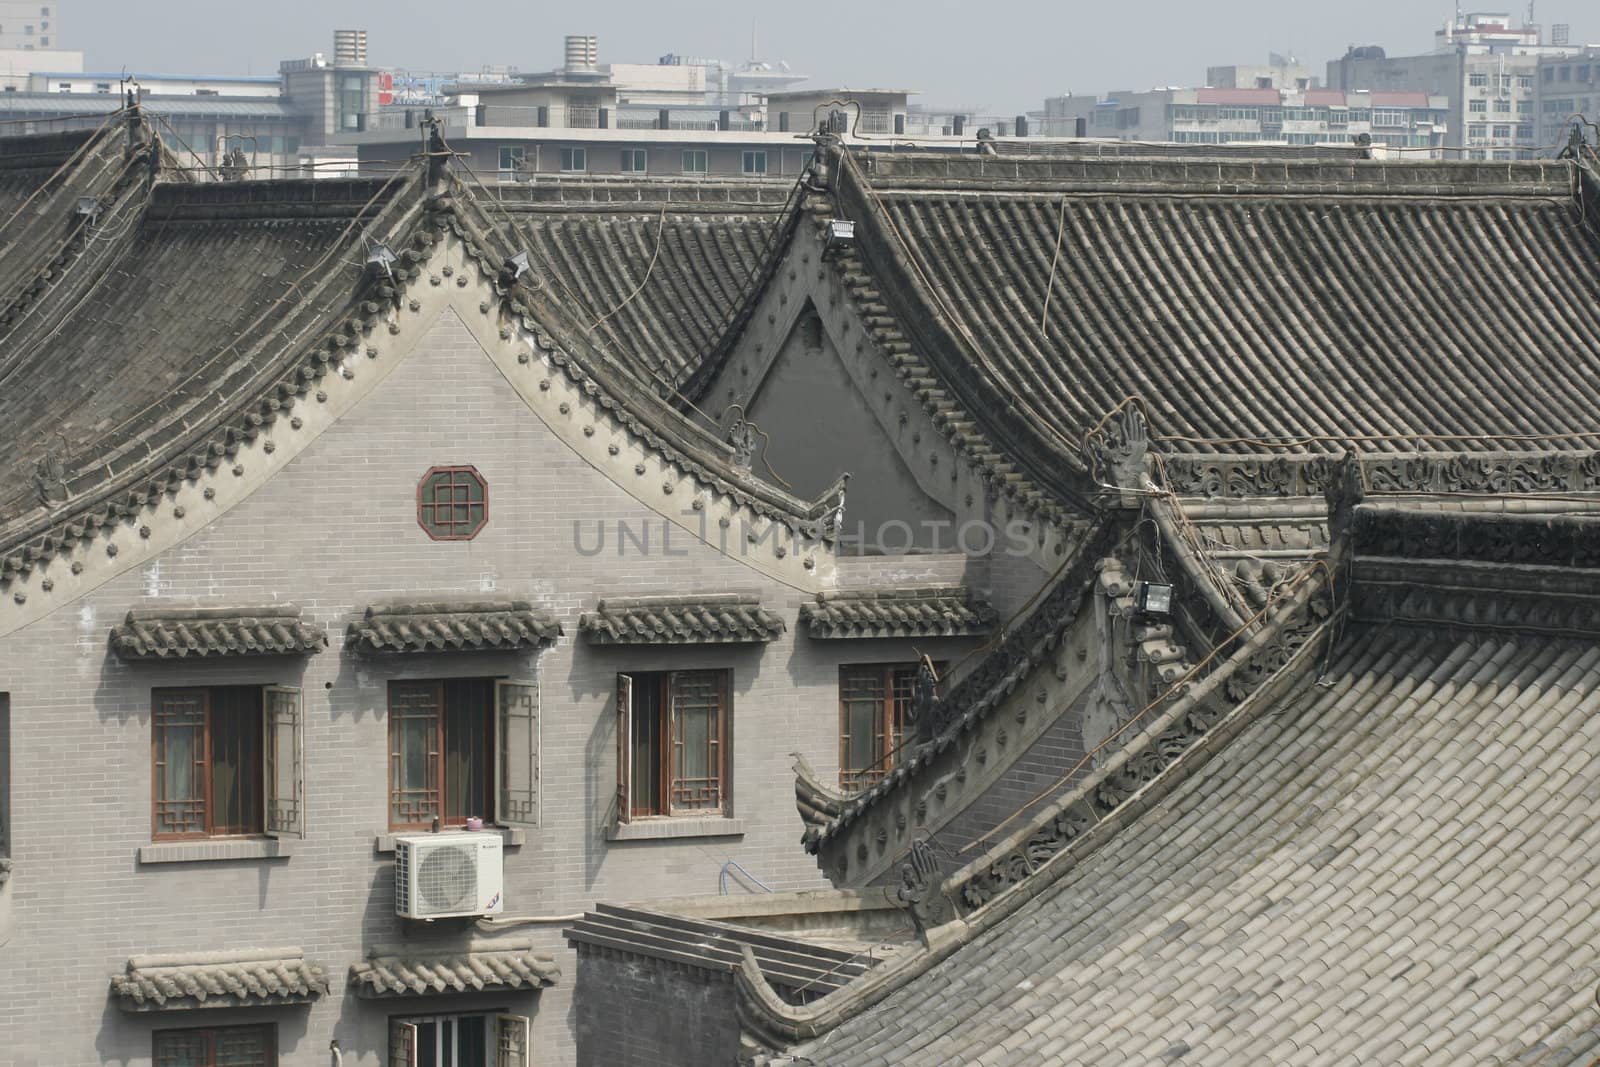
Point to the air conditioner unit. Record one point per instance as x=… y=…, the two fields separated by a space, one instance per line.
x=437 y=876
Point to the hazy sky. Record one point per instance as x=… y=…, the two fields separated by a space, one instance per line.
x=999 y=55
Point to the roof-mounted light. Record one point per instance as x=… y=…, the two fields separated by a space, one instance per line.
x=380 y=260
x=518 y=265
x=1152 y=598
x=841 y=236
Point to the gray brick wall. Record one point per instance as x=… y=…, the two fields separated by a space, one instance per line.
x=334 y=531
x=676 y=1016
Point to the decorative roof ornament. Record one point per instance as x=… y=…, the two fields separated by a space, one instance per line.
x=921 y=889
x=50 y=480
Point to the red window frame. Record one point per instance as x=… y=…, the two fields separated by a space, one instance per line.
x=453 y=527
x=896 y=687
x=203 y=700
x=208 y=1040
x=656 y=786
x=429 y=802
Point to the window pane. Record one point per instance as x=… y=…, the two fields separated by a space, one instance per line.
x=243 y=1046
x=181 y=1048
x=861 y=702
x=236 y=760
x=414 y=753
x=696 y=744
x=179 y=740
x=646 y=785
x=468 y=727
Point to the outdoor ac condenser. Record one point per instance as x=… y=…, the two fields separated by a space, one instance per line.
x=437 y=876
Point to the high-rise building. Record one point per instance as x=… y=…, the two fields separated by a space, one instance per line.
x=1482 y=64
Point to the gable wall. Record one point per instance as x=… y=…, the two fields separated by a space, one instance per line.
x=334 y=530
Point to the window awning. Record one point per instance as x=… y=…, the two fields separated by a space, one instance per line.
x=197 y=633
x=945 y=611
x=475 y=626
x=418 y=971
x=666 y=620
x=247 y=978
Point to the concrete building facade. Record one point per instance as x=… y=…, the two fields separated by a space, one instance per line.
x=1487 y=68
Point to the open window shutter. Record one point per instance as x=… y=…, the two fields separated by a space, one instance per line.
x=517 y=726
x=624 y=747
x=283 y=750
x=511 y=1040
x=402 y=1044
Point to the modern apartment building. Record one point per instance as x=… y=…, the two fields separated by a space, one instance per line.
x=1411 y=122
x=1483 y=65
x=1567 y=88
x=29 y=26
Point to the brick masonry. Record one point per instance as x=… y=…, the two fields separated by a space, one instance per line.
x=332 y=532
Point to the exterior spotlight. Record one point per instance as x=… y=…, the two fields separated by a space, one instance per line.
x=518 y=265
x=1152 y=599
x=88 y=207
x=380 y=260
x=841 y=235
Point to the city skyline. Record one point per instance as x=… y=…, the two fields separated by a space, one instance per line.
x=947 y=49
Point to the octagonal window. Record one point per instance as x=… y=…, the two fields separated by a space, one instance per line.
x=453 y=503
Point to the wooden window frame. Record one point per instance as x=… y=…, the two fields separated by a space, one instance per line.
x=510 y=768
x=427 y=509
x=892 y=722
x=439 y=754
x=662 y=805
x=205 y=694
x=269 y=1030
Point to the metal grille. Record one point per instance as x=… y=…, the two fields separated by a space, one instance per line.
x=447 y=879
x=179 y=741
x=696 y=781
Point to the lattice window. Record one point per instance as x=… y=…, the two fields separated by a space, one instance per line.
x=229 y=1046
x=876 y=702
x=415 y=739
x=447 y=741
x=453 y=503
x=672 y=743
x=206 y=750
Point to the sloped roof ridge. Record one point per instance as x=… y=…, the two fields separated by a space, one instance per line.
x=101 y=498
x=885 y=331
x=1014 y=458
x=1220 y=176
x=1001 y=670
x=680 y=440
x=1198 y=720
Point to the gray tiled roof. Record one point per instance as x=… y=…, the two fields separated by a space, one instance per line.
x=719 y=619
x=252 y=977
x=946 y=611
x=702 y=243
x=1398 y=863
x=180 y=633
x=1157 y=272
x=482 y=965
x=453 y=626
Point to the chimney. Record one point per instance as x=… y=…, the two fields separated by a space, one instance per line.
x=349 y=48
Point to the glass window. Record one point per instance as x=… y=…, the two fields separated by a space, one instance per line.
x=694 y=161
x=453 y=503
x=226 y=1046
x=1502 y=131
x=755 y=163
x=206 y=751
x=1477 y=79
x=876 y=702
x=673 y=748
x=1478 y=107
x=512 y=159
x=441 y=752
x=1502 y=107
x=635 y=160
x=574 y=159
